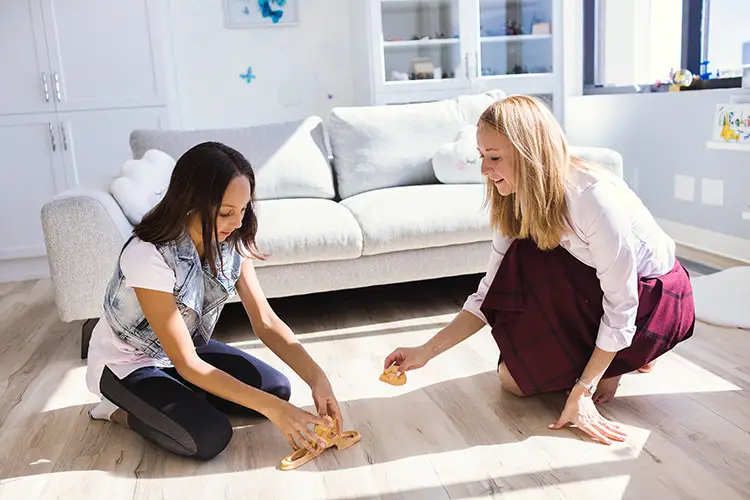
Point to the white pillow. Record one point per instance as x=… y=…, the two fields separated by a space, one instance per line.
x=458 y=162
x=142 y=184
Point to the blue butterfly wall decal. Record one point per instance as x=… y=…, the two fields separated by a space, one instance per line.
x=249 y=76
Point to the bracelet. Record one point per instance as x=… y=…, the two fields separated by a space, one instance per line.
x=589 y=387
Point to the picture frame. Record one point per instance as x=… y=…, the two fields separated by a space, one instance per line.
x=260 y=13
x=732 y=123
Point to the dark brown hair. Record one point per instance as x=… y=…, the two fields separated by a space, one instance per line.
x=197 y=186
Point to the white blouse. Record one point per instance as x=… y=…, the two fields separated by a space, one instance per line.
x=616 y=235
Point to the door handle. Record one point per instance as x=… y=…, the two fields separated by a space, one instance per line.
x=57 y=88
x=45 y=86
x=64 y=137
x=52 y=137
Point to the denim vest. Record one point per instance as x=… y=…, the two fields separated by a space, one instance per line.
x=199 y=295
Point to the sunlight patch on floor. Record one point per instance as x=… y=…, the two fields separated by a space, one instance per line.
x=684 y=377
x=70 y=391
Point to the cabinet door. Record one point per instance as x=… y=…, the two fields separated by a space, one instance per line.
x=95 y=144
x=30 y=175
x=105 y=53
x=23 y=55
x=422 y=49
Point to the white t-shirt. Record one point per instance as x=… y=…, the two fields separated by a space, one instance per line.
x=143 y=267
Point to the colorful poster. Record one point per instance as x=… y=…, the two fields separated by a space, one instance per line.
x=732 y=123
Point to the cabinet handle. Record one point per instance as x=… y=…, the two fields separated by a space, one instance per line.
x=46 y=88
x=466 y=64
x=52 y=137
x=57 y=87
x=477 y=69
x=64 y=137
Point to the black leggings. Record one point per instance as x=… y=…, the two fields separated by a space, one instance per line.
x=182 y=418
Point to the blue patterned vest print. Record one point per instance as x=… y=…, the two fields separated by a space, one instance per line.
x=200 y=297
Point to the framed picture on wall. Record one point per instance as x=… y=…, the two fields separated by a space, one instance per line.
x=260 y=13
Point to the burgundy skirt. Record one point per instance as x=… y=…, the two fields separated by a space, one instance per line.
x=545 y=307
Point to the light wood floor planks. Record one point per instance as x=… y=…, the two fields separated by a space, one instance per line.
x=448 y=433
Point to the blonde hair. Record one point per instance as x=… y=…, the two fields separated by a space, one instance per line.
x=538 y=208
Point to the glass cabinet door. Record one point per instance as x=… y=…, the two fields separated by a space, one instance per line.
x=421 y=41
x=515 y=37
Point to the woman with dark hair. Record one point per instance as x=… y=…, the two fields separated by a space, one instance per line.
x=151 y=357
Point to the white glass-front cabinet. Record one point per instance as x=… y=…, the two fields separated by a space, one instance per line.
x=422 y=50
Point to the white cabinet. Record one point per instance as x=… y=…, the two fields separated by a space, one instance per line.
x=77 y=77
x=421 y=50
x=31 y=173
x=102 y=53
x=94 y=144
x=24 y=64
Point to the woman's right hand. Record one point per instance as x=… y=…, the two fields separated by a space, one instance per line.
x=293 y=423
x=408 y=358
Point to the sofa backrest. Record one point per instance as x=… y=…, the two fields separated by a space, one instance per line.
x=377 y=147
x=290 y=159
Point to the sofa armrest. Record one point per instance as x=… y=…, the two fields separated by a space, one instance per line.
x=605 y=157
x=84 y=231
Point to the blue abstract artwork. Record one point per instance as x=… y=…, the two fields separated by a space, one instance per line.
x=255 y=13
x=248 y=76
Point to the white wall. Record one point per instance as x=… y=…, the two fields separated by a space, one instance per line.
x=661 y=136
x=296 y=67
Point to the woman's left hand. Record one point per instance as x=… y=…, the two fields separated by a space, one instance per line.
x=325 y=401
x=581 y=412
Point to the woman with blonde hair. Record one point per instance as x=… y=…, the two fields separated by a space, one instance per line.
x=582 y=286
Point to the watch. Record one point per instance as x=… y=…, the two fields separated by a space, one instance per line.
x=589 y=387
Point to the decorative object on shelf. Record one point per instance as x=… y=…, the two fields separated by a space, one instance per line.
x=248 y=76
x=539 y=27
x=680 y=78
x=259 y=13
x=732 y=123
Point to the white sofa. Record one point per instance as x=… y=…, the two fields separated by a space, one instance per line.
x=357 y=206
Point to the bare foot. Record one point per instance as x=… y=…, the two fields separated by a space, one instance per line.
x=606 y=390
x=120 y=416
x=647 y=367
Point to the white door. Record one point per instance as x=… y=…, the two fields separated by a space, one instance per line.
x=95 y=144
x=30 y=175
x=24 y=65
x=105 y=53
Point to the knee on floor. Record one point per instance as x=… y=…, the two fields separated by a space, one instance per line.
x=279 y=386
x=211 y=437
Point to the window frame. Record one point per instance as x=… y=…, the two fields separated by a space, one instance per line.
x=694 y=48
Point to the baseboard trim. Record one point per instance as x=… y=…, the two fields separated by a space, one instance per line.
x=32 y=268
x=707 y=247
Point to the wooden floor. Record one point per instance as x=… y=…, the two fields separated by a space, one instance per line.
x=448 y=433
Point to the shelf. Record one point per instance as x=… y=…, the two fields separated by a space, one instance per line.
x=728 y=146
x=515 y=38
x=419 y=43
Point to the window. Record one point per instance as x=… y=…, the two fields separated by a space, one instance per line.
x=636 y=45
x=728 y=27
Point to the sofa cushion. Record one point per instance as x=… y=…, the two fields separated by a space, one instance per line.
x=289 y=159
x=293 y=231
x=411 y=217
x=377 y=147
x=607 y=158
